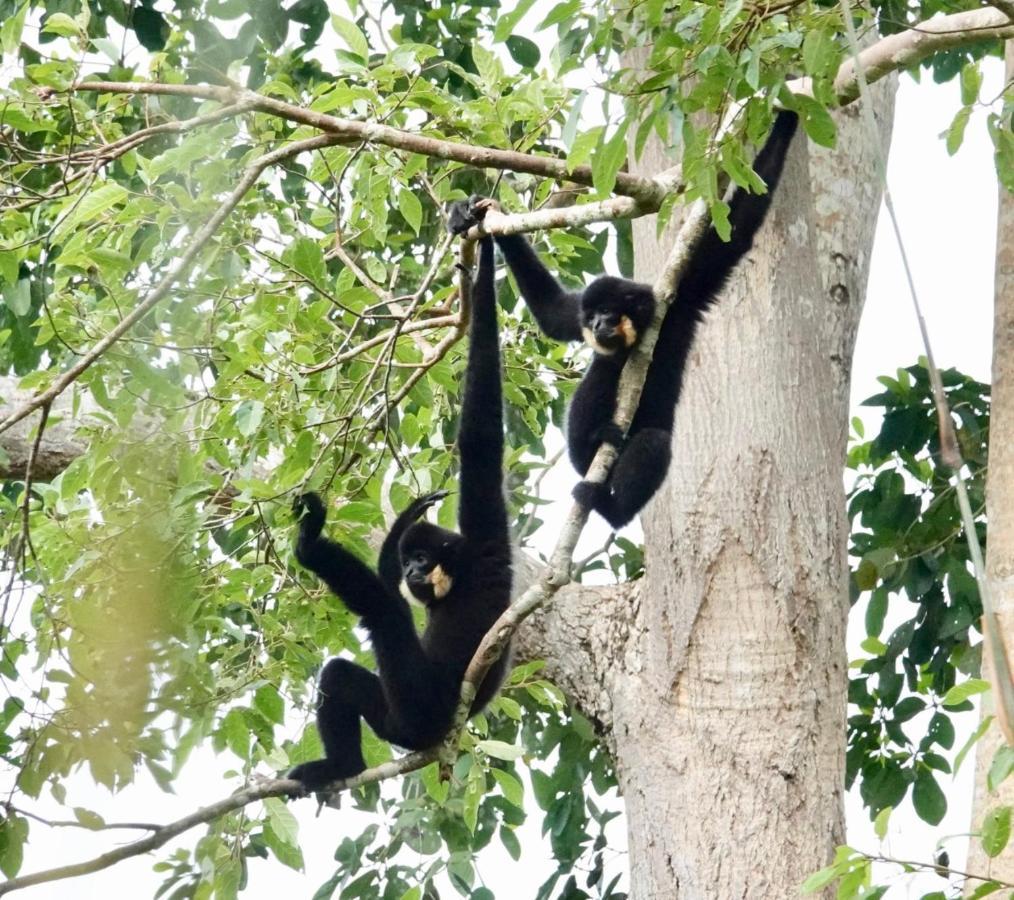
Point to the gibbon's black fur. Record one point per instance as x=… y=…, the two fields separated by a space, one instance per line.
x=463 y=580
x=611 y=314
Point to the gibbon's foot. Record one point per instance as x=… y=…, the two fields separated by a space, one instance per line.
x=317 y=775
x=611 y=434
x=589 y=494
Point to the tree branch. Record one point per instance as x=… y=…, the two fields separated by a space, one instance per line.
x=349 y=130
x=906 y=48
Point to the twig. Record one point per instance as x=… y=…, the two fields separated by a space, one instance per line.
x=912 y=864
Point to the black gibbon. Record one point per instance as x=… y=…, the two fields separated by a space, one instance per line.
x=463 y=580
x=611 y=314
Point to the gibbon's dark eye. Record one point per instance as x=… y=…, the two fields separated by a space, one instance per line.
x=419 y=558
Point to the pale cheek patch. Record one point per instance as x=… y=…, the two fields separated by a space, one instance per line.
x=627 y=329
x=441 y=582
x=589 y=339
x=406 y=592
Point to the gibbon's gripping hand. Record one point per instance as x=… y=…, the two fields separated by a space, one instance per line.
x=309 y=509
x=463 y=214
x=421 y=504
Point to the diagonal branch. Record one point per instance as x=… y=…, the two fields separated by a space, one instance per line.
x=350 y=130
x=906 y=48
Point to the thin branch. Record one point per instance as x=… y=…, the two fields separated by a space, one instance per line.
x=936 y=867
x=197 y=244
x=906 y=48
x=351 y=130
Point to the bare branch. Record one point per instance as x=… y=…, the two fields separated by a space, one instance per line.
x=350 y=130
x=906 y=48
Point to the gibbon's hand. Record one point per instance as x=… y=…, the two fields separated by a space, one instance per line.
x=310 y=512
x=421 y=504
x=463 y=214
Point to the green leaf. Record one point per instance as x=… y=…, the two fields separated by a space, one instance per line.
x=607 y=161
x=13 y=834
x=876 y=612
x=89 y=819
x=354 y=39
x=248 y=417
x=1000 y=768
x=819 y=880
x=817 y=121
x=500 y=750
x=560 y=13
x=411 y=209
x=511 y=787
x=506 y=23
x=268 y=702
x=971 y=742
x=10 y=34
x=581 y=150
x=927 y=798
x=971 y=83
x=523 y=51
x=307 y=258
x=961 y=692
x=96 y=203
x=819 y=51
x=281 y=821
x=956 y=131
x=984 y=890
x=61 y=24
x=996 y=831
x=881 y=821
x=17 y=297
x=511 y=843
x=474 y=790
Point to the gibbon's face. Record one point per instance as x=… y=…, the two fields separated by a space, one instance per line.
x=614 y=313
x=427 y=563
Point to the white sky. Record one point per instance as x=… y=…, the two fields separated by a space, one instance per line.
x=948 y=211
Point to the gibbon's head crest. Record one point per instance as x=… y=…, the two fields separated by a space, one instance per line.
x=614 y=314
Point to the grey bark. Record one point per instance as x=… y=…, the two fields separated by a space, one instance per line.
x=728 y=719
x=59 y=447
x=1000 y=515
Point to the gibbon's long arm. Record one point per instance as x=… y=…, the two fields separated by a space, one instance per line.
x=712 y=263
x=482 y=510
x=558 y=312
x=346 y=575
x=389 y=561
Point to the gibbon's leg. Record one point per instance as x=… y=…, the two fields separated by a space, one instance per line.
x=591 y=413
x=346 y=693
x=633 y=481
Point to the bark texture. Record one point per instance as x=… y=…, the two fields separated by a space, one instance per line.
x=1000 y=515
x=728 y=720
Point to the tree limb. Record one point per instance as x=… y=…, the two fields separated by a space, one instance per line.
x=349 y=130
x=906 y=48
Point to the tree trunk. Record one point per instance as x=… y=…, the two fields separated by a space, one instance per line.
x=729 y=719
x=1000 y=515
